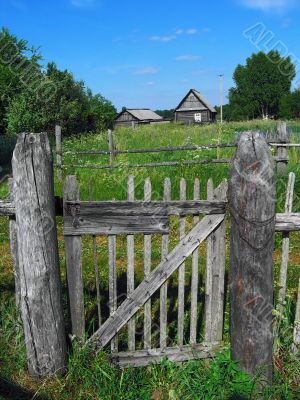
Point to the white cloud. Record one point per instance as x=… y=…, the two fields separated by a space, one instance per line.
x=157 y=38
x=191 y=31
x=83 y=3
x=269 y=5
x=178 y=32
x=146 y=71
x=150 y=83
x=187 y=57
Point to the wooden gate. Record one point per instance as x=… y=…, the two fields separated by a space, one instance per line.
x=151 y=218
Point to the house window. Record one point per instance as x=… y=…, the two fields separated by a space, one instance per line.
x=198 y=117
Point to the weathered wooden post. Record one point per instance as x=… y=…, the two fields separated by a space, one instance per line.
x=14 y=246
x=282 y=150
x=58 y=152
x=252 y=207
x=41 y=306
x=111 y=146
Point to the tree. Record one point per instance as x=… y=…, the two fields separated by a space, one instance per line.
x=34 y=98
x=290 y=105
x=169 y=114
x=19 y=69
x=260 y=85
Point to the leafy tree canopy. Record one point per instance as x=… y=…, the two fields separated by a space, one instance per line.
x=36 y=98
x=260 y=85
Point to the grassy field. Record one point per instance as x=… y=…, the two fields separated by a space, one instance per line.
x=92 y=377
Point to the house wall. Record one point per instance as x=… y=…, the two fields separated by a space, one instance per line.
x=188 y=116
x=125 y=119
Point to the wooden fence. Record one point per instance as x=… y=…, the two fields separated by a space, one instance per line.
x=280 y=141
x=164 y=295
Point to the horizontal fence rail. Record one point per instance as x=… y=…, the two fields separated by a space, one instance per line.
x=285 y=222
x=281 y=143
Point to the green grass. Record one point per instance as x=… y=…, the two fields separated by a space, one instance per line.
x=92 y=377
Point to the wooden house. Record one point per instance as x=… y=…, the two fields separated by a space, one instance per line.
x=194 y=108
x=132 y=117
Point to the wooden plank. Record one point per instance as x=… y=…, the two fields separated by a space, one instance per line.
x=130 y=268
x=143 y=358
x=95 y=209
x=73 y=250
x=252 y=206
x=155 y=280
x=115 y=225
x=159 y=149
x=41 y=302
x=287 y=222
x=13 y=241
x=195 y=276
x=284 y=258
x=181 y=271
x=155 y=164
x=58 y=152
x=147 y=270
x=165 y=163
x=112 y=265
x=7 y=209
x=296 y=336
x=96 y=267
x=164 y=288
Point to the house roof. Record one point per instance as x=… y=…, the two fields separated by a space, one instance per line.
x=143 y=114
x=200 y=98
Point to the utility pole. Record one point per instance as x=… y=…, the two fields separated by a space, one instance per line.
x=221 y=96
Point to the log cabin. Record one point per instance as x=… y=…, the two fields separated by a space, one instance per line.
x=194 y=108
x=137 y=116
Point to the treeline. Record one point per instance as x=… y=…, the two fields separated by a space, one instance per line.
x=34 y=98
x=263 y=89
x=168 y=114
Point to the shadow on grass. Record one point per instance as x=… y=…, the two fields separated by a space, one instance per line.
x=12 y=391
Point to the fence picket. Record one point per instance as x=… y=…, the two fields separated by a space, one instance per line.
x=164 y=287
x=112 y=265
x=181 y=270
x=215 y=271
x=218 y=273
x=296 y=338
x=210 y=254
x=195 y=275
x=96 y=268
x=147 y=270
x=130 y=267
x=285 y=256
x=73 y=249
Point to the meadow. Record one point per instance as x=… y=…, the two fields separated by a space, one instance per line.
x=91 y=377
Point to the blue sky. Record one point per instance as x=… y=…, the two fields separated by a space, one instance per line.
x=148 y=54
